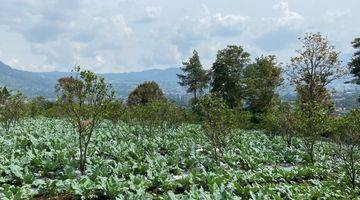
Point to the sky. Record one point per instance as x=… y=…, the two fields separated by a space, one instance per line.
x=136 y=35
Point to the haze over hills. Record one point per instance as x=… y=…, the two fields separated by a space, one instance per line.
x=43 y=83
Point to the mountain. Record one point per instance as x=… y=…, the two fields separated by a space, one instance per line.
x=43 y=83
x=29 y=83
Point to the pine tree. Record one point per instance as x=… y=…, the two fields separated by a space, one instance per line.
x=4 y=94
x=194 y=77
x=355 y=63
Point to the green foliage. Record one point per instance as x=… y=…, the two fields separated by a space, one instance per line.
x=310 y=123
x=262 y=79
x=194 y=77
x=158 y=114
x=4 y=95
x=355 y=62
x=12 y=109
x=279 y=120
x=348 y=139
x=316 y=65
x=145 y=93
x=228 y=74
x=217 y=121
x=116 y=111
x=37 y=106
x=85 y=99
x=39 y=160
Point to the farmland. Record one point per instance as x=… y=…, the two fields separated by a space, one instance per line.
x=39 y=159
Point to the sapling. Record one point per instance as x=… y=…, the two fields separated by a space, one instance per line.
x=85 y=99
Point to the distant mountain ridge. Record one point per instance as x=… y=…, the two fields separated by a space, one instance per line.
x=43 y=83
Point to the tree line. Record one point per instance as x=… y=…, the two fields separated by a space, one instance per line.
x=235 y=93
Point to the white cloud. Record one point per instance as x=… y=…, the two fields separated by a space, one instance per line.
x=331 y=16
x=132 y=35
x=288 y=16
x=153 y=11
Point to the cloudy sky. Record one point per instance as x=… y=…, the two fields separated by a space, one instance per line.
x=135 y=35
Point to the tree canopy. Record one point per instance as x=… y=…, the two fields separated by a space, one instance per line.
x=194 y=77
x=228 y=74
x=146 y=92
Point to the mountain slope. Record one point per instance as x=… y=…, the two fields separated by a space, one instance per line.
x=43 y=83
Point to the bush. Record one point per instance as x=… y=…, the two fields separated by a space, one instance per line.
x=217 y=120
x=145 y=93
x=158 y=113
x=348 y=139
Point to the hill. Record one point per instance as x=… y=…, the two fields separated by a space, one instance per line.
x=43 y=83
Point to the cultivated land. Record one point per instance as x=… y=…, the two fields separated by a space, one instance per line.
x=38 y=159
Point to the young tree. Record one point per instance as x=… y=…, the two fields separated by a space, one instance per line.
x=116 y=111
x=261 y=80
x=85 y=99
x=310 y=122
x=355 y=63
x=37 y=106
x=12 y=108
x=316 y=65
x=228 y=74
x=194 y=77
x=217 y=120
x=348 y=139
x=146 y=92
x=279 y=119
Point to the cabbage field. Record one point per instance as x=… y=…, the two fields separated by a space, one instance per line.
x=38 y=160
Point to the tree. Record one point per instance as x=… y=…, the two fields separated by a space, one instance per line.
x=116 y=111
x=261 y=80
x=157 y=114
x=316 y=65
x=217 y=120
x=144 y=93
x=85 y=99
x=228 y=74
x=37 y=106
x=310 y=123
x=194 y=77
x=355 y=63
x=4 y=94
x=279 y=120
x=348 y=139
x=12 y=108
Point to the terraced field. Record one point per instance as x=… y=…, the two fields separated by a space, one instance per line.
x=38 y=160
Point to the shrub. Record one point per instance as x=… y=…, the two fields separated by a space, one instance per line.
x=85 y=99
x=145 y=93
x=217 y=120
x=348 y=139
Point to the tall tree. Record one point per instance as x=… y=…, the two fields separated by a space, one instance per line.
x=194 y=77
x=355 y=63
x=146 y=92
x=228 y=74
x=316 y=65
x=261 y=80
x=85 y=99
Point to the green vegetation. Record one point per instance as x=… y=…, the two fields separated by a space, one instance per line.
x=194 y=77
x=39 y=158
x=355 y=63
x=239 y=141
x=144 y=93
x=85 y=99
